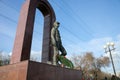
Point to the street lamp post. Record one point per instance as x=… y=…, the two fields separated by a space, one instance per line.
x=108 y=48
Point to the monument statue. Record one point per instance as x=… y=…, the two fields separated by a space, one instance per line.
x=56 y=42
x=57 y=45
x=56 y=39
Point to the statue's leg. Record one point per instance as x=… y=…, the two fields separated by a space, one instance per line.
x=63 y=51
x=56 y=52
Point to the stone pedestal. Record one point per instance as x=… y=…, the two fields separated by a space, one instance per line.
x=29 y=70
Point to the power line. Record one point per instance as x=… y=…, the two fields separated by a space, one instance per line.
x=14 y=21
x=9 y=6
x=8 y=18
x=72 y=33
x=72 y=17
x=72 y=10
x=34 y=31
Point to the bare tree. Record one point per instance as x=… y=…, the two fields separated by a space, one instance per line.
x=4 y=59
x=89 y=64
x=83 y=61
x=33 y=59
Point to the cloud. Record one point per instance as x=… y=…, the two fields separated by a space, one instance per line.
x=36 y=56
x=94 y=45
x=4 y=55
x=118 y=37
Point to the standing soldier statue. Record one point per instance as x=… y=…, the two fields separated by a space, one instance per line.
x=56 y=42
x=57 y=46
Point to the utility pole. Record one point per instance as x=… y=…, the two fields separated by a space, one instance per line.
x=108 y=48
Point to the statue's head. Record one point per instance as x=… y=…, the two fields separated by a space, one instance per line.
x=56 y=24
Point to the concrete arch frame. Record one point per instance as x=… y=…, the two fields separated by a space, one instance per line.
x=23 y=39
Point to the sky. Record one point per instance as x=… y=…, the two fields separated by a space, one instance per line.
x=85 y=26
